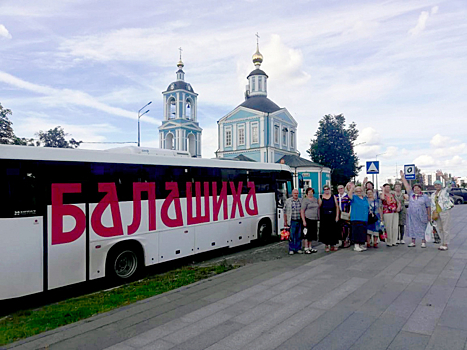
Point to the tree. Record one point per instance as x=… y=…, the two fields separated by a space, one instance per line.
x=333 y=147
x=7 y=136
x=56 y=138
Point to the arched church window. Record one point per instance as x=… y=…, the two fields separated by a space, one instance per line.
x=188 y=109
x=172 y=108
x=260 y=80
x=253 y=83
x=169 y=141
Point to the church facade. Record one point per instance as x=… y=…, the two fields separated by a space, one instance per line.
x=257 y=128
x=180 y=129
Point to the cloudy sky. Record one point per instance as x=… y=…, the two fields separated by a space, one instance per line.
x=398 y=69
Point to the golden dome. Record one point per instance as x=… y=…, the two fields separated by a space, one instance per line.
x=180 y=64
x=257 y=57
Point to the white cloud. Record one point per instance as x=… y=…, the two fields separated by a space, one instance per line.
x=422 y=20
x=4 y=33
x=68 y=96
x=424 y=161
x=440 y=141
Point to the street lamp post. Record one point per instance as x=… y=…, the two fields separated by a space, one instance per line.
x=139 y=116
x=380 y=154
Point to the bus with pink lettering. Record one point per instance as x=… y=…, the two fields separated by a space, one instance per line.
x=69 y=216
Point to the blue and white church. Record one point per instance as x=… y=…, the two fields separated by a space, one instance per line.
x=257 y=128
x=180 y=129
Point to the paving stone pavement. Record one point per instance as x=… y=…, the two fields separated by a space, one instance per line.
x=386 y=298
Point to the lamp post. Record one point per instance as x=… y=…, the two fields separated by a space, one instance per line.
x=139 y=116
x=379 y=154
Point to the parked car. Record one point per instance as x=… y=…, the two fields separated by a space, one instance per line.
x=456 y=199
x=462 y=192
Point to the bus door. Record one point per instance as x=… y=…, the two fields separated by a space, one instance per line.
x=281 y=197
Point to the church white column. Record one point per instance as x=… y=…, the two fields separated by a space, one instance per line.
x=198 y=144
x=234 y=137
x=221 y=132
x=261 y=133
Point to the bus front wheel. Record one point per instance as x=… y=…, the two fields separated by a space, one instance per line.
x=264 y=230
x=123 y=263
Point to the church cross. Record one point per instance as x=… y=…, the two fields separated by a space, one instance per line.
x=180 y=49
x=257 y=38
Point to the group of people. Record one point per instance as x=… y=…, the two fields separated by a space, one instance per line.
x=361 y=215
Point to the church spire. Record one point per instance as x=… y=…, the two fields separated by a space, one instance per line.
x=180 y=65
x=257 y=56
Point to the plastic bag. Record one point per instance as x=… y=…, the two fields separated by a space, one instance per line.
x=285 y=234
x=429 y=232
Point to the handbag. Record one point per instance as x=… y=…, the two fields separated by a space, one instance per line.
x=345 y=216
x=372 y=218
x=383 y=235
x=434 y=215
x=285 y=234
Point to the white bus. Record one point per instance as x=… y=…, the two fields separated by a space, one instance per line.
x=69 y=216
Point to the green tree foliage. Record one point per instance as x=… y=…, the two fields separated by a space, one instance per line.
x=7 y=136
x=56 y=138
x=333 y=147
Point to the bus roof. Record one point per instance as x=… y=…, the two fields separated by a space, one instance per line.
x=148 y=158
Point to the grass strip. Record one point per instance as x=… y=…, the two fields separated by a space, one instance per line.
x=26 y=323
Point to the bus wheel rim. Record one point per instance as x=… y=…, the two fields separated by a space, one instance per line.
x=126 y=264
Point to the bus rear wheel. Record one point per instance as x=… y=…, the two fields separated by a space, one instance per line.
x=123 y=263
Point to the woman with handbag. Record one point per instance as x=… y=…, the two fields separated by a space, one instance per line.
x=391 y=208
x=343 y=201
x=358 y=216
x=310 y=216
x=328 y=216
x=401 y=197
x=374 y=219
x=418 y=213
x=441 y=204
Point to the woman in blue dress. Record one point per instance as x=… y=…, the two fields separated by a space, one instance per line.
x=418 y=213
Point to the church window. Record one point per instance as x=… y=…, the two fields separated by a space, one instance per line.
x=188 y=112
x=253 y=83
x=284 y=137
x=260 y=80
x=228 y=137
x=254 y=133
x=241 y=134
x=172 y=110
x=265 y=80
x=276 y=134
x=292 y=139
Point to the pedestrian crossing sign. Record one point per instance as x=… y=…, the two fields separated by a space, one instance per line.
x=372 y=167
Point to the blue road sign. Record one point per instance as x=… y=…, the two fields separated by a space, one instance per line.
x=409 y=171
x=372 y=167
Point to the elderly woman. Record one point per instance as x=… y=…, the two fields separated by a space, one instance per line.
x=401 y=197
x=358 y=216
x=441 y=205
x=391 y=207
x=310 y=216
x=375 y=207
x=418 y=213
x=329 y=216
x=343 y=202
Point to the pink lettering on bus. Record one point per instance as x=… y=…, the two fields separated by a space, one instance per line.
x=96 y=218
x=59 y=210
x=236 y=199
x=173 y=197
x=251 y=196
x=150 y=188
x=198 y=218
x=218 y=201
